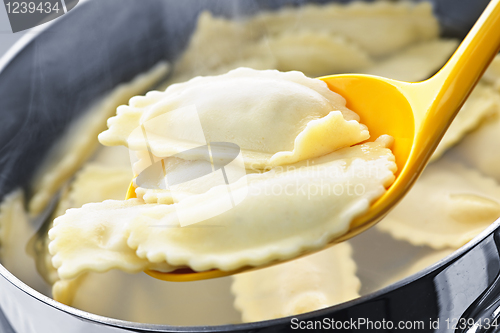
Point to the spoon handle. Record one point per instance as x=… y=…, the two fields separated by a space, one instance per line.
x=444 y=94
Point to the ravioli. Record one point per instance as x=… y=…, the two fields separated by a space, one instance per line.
x=94 y=183
x=262 y=62
x=79 y=142
x=415 y=63
x=117 y=156
x=310 y=283
x=316 y=53
x=217 y=42
x=419 y=62
x=265 y=226
x=191 y=114
x=482 y=103
x=487 y=136
x=188 y=170
x=16 y=229
x=448 y=206
x=146 y=233
x=142 y=299
x=299 y=39
x=366 y=24
x=492 y=74
x=422 y=263
x=97 y=244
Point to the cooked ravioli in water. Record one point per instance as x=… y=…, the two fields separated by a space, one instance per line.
x=298 y=140
x=459 y=204
x=303 y=285
x=227 y=177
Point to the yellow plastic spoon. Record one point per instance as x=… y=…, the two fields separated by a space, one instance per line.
x=416 y=115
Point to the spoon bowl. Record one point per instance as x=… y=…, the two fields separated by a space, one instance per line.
x=416 y=115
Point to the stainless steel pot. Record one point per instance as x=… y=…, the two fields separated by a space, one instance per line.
x=102 y=43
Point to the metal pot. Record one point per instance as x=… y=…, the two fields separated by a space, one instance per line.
x=102 y=43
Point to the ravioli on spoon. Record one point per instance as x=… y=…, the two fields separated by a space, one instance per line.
x=253 y=167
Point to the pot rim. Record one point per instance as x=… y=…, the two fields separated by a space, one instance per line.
x=6 y=59
x=244 y=326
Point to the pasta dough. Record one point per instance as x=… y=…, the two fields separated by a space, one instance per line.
x=366 y=24
x=191 y=114
x=94 y=183
x=134 y=236
x=217 y=42
x=301 y=39
x=316 y=53
x=16 y=229
x=447 y=207
x=142 y=299
x=482 y=102
x=258 y=62
x=113 y=157
x=79 y=142
x=492 y=74
x=303 y=285
x=422 y=263
x=196 y=184
x=486 y=159
x=100 y=237
x=356 y=37
x=417 y=62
